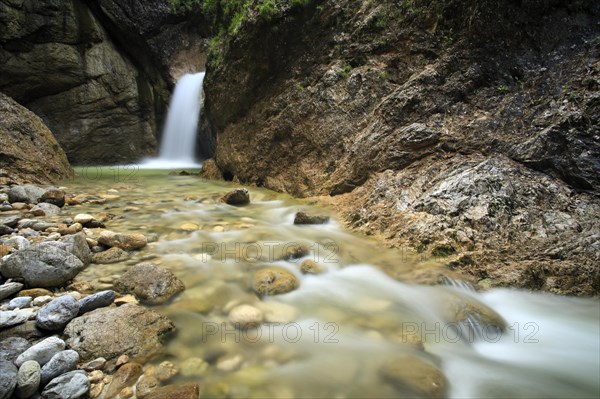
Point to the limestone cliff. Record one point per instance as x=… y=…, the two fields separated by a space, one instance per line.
x=29 y=152
x=465 y=129
x=59 y=61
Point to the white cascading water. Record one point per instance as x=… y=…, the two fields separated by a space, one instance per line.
x=178 y=144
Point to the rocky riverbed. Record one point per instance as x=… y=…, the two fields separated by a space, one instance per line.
x=125 y=283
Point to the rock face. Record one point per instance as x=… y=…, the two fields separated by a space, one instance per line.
x=151 y=284
x=28 y=150
x=135 y=331
x=370 y=98
x=60 y=63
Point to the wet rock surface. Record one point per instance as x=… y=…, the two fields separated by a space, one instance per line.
x=151 y=284
x=136 y=331
x=414 y=110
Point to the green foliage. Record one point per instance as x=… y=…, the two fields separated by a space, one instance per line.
x=228 y=16
x=345 y=72
x=502 y=89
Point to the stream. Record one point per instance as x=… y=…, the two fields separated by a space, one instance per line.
x=336 y=335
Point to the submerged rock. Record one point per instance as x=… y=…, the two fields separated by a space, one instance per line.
x=305 y=218
x=125 y=376
x=12 y=347
x=127 y=242
x=151 y=284
x=245 y=316
x=111 y=255
x=54 y=196
x=237 y=197
x=273 y=281
x=134 y=331
x=186 y=391
x=413 y=376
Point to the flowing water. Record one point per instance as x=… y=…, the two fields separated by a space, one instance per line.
x=178 y=144
x=332 y=336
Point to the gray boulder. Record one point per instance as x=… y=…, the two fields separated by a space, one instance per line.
x=60 y=363
x=42 y=266
x=27 y=193
x=72 y=385
x=58 y=313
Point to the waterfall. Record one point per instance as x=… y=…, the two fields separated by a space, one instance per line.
x=178 y=144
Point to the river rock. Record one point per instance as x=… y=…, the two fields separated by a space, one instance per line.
x=128 y=242
x=98 y=300
x=309 y=266
x=111 y=255
x=125 y=376
x=239 y=196
x=413 y=376
x=13 y=317
x=42 y=266
x=273 y=281
x=20 y=302
x=12 y=347
x=42 y=352
x=5 y=230
x=72 y=385
x=78 y=246
x=186 y=391
x=145 y=385
x=305 y=218
x=165 y=371
x=8 y=289
x=42 y=300
x=10 y=221
x=28 y=379
x=245 y=316
x=83 y=218
x=151 y=284
x=54 y=196
x=26 y=193
x=27 y=330
x=96 y=364
x=60 y=363
x=55 y=315
x=45 y=209
x=8 y=382
x=133 y=330
x=35 y=293
x=463 y=309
